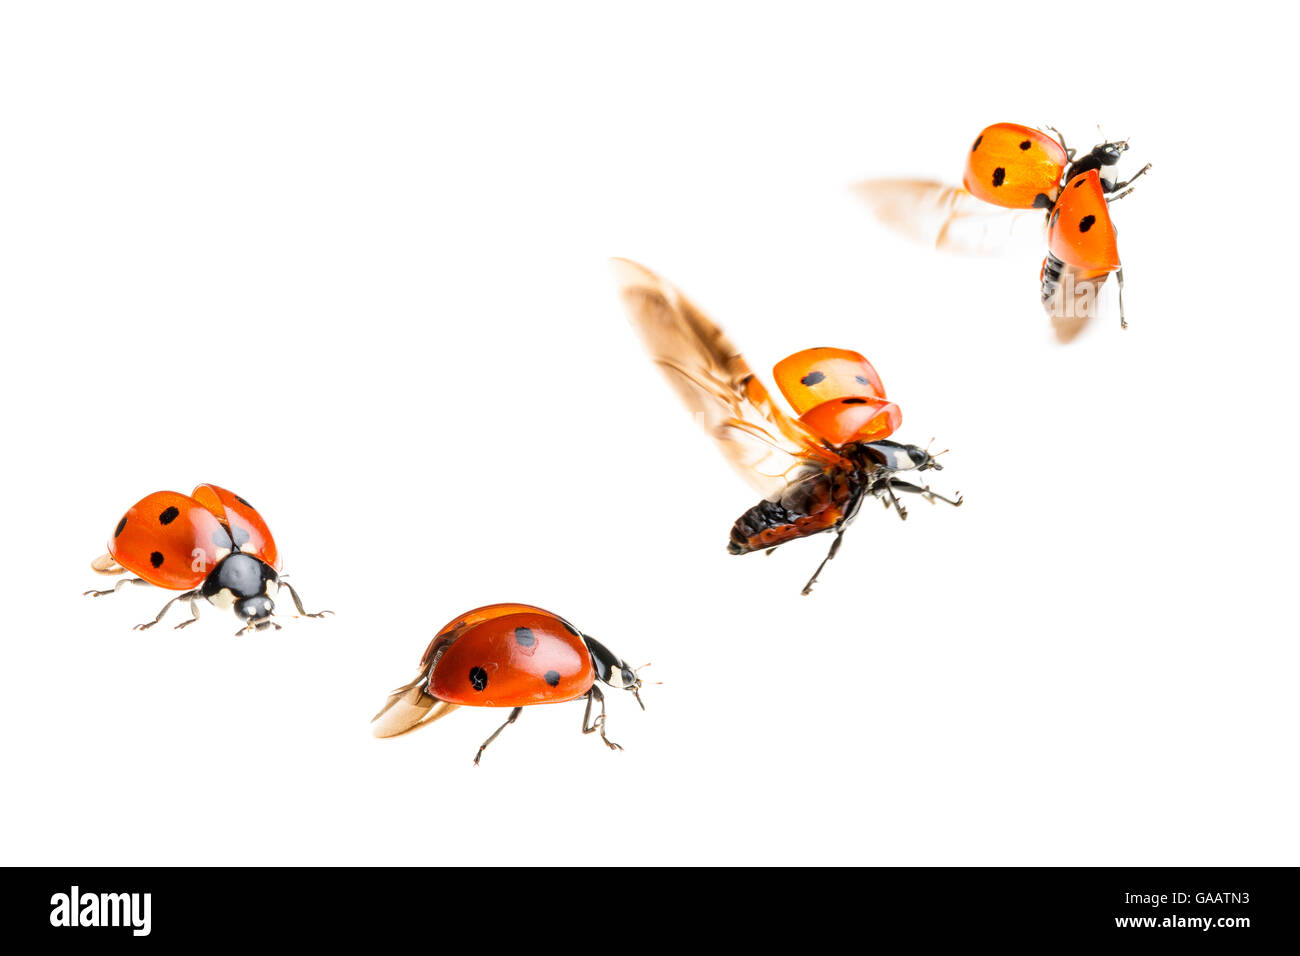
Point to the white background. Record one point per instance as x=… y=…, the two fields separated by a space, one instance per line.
x=349 y=260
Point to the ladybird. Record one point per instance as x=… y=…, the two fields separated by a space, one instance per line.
x=1014 y=167
x=507 y=655
x=211 y=544
x=815 y=470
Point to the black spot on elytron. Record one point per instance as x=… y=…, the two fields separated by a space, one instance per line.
x=1086 y=223
x=1041 y=201
x=244 y=502
x=978 y=140
x=1079 y=182
x=1026 y=144
x=170 y=515
x=999 y=176
x=812 y=378
x=570 y=628
x=120 y=525
x=853 y=401
x=552 y=678
x=156 y=559
x=477 y=678
x=524 y=637
x=240 y=535
x=862 y=380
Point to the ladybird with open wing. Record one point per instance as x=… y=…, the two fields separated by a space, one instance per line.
x=814 y=471
x=212 y=545
x=1013 y=167
x=507 y=655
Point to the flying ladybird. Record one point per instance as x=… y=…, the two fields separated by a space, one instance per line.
x=1019 y=168
x=507 y=655
x=211 y=544
x=814 y=471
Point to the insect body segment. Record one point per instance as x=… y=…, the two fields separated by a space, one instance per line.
x=211 y=544
x=507 y=655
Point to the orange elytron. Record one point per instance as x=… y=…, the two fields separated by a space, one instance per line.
x=815 y=470
x=1015 y=167
x=507 y=655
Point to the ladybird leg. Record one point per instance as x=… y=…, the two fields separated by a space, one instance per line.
x=589 y=726
x=1119 y=280
x=115 y=588
x=926 y=493
x=1118 y=186
x=835 y=547
x=255 y=627
x=889 y=493
x=187 y=596
x=194 y=610
x=297 y=601
x=1069 y=153
x=514 y=715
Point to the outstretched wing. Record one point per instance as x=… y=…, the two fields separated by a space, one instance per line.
x=768 y=448
x=949 y=218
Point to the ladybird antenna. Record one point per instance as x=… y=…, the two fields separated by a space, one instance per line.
x=935 y=454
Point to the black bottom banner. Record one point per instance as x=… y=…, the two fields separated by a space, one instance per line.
x=611 y=905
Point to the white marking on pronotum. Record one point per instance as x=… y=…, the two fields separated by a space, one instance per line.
x=102 y=909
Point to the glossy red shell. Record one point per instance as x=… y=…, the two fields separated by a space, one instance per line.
x=510 y=655
x=247 y=526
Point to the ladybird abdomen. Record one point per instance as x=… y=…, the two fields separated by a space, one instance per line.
x=1051 y=276
x=807 y=507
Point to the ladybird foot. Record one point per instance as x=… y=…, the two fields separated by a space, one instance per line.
x=144 y=627
x=611 y=745
x=96 y=593
x=185 y=623
x=316 y=614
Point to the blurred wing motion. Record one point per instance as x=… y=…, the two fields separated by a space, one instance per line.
x=767 y=447
x=409 y=707
x=1074 y=301
x=950 y=218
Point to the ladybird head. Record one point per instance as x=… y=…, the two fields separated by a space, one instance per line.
x=255 y=611
x=921 y=458
x=896 y=456
x=244 y=584
x=1108 y=154
x=613 y=670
